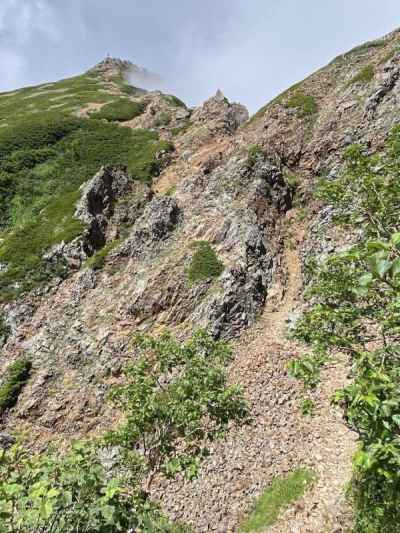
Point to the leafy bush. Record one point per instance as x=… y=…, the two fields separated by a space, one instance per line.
x=66 y=492
x=16 y=376
x=120 y=110
x=365 y=75
x=174 y=399
x=357 y=311
x=307 y=369
x=305 y=104
x=205 y=263
x=275 y=499
x=97 y=261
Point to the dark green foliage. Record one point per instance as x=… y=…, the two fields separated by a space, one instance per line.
x=174 y=399
x=5 y=330
x=71 y=491
x=205 y=263
x=97 y=261
x=276 y=498
x=16 y=376
x=163 y=119
x=254 y=153
x=365 y=75
x=23 y=247
x=305 y=104
x=39 y=131
x=120 y=110
x=356 y=310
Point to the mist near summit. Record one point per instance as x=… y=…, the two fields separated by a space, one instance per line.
x=250 y=50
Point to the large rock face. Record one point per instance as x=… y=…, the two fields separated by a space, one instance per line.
x=230 y=183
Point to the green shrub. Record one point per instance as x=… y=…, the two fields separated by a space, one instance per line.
x=170 y=191
x=292 y=179
x=365 y=47
x=275 y=499
x=119 y=110
x=205 y=263
x=254 y=153
x=16 y=376
x=174 y=399
x=305 y=104
x=97 y=261
x=355 y=309
x=365 y=75
x=5 y=330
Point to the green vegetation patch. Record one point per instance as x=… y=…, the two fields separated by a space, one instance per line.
x=354 y=297
x=72 y=93
x=365 y=47
x=254 y=152
x=365 y=75
x=276 y=498
x=177 y=395
x=5 y=330
x=205 y=263
x=173 y=100
x=17 y=375
x=180 y=130
x=97 y=261
x=305 y=104
x=43 y=162
x=120 y=110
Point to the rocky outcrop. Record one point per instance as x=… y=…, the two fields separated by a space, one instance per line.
x=219 y=114
x=157 y=222
x=110 y=202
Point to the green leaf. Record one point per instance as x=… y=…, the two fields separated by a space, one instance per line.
x=365 y=279
x=396 y=267
x=395 y=239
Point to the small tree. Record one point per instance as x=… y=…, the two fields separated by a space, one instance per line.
x=175 y=400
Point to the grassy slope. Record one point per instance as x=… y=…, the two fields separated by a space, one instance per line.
x=46 y=153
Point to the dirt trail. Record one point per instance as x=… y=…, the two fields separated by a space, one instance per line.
x=279 y=439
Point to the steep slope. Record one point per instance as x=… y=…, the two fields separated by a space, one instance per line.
x=188 y=224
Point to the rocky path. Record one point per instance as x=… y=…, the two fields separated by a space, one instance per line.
x=279 y=439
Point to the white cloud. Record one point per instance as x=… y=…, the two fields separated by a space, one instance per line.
x=22 y=21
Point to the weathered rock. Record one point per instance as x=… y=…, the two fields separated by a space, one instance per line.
x=109 y=201
x=219 y=114
x=6 y=441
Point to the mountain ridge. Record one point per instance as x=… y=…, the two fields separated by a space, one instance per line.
x=140 y=214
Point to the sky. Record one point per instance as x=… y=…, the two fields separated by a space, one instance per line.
x=250 y=49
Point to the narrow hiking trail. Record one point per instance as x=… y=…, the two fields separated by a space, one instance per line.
x=279 y=439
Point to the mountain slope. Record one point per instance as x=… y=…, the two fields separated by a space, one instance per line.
x=189 y=223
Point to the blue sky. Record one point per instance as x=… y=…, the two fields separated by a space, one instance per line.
x=251 y=49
